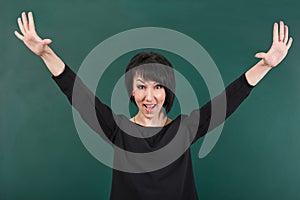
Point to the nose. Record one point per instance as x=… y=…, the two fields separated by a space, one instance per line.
x=149 y=94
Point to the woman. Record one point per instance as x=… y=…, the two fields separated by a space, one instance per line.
x=150 y=83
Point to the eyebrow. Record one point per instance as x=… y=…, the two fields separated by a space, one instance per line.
x=140 y=80
x=157 y=83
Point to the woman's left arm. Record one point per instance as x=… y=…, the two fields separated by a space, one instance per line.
x=204 y=119
x=277 y=52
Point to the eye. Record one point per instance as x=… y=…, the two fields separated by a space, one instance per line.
x=140 y=87
x=158 y=87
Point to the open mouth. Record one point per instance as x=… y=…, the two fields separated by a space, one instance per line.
x=149 y=107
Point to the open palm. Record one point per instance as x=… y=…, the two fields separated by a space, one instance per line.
x=29 y=35
x=280 y=46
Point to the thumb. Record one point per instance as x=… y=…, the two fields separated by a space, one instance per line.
x=260 y=55
x=47 y=41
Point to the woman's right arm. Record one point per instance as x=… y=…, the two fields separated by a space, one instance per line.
x=85 y=102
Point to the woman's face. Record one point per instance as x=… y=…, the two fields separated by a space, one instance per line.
x=149 y=96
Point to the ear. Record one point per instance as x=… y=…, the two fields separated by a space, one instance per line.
x=132 y=98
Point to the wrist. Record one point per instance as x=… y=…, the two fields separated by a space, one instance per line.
x=257 y=72
x=47 y=53
x=54 y=64
x=264 y=65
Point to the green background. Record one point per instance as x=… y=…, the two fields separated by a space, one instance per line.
x=41 y=155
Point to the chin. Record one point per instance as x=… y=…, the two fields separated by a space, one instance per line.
x=149 y=115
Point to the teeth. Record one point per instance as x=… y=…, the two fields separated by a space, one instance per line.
x=149 y=106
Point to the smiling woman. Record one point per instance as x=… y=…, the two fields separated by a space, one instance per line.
x=150 y=83
x=151 y=86
x=149 y=96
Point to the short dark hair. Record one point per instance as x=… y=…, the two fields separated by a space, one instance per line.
x=155 y=67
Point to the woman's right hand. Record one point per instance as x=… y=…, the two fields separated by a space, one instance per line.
x=30 y=37
x=37 y=45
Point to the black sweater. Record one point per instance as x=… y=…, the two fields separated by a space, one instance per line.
x=167 y=173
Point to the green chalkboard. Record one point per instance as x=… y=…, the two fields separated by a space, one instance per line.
x=41 y=154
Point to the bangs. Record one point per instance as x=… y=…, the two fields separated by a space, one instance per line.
x=158 y=73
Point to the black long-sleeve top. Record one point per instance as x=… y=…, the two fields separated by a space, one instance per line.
x=168 y=173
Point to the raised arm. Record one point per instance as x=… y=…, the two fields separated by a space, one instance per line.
x=203 y=120
x=277 y=52
x=37 y=45
x=85 y=102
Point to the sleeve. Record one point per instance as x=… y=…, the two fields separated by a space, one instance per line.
x=96 y=114
x=204 y=119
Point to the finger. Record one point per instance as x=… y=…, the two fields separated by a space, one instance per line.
x=260 y=55
x=18 y=35
x=275 y=32
x=289 y=44
x=25 y=22
x=47 y=41
x=281 y=31
x=21 y=26
x=31 y=21
x=286 y=34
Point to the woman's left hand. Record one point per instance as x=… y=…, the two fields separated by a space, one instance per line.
x=280 y=46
